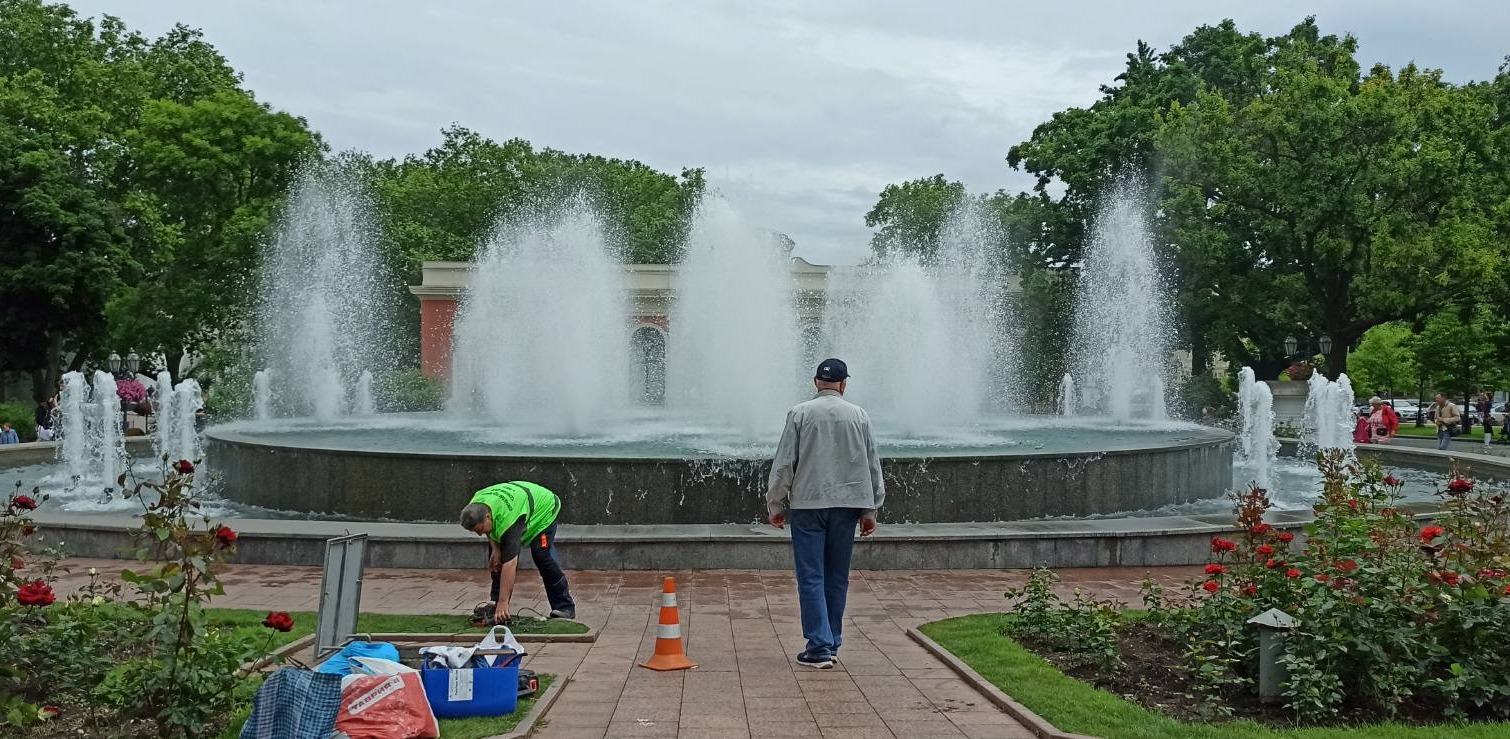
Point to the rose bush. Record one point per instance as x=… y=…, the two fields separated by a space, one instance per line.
x=1396 y=618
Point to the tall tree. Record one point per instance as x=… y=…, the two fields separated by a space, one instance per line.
x=912 y=216
x=1385 y=360
x=1358 y=192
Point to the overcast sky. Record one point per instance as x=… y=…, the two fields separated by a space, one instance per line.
x=800 y=111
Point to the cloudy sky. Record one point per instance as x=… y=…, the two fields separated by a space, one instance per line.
x=800 y=111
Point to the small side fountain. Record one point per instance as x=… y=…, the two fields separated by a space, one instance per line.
x=1258 y=449
x=361 y=403
x=1329 y=415
x=1067 y=400
x=163 y=401
x=76 y=447
x=108 y=439
x=262 y=395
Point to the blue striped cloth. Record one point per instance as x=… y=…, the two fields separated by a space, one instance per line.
x=294 y=704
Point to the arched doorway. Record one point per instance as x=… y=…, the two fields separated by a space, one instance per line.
x=649 y=347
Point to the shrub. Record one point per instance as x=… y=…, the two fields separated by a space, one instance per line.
x=1084 y=626
x=22 y=417
x=408 y=391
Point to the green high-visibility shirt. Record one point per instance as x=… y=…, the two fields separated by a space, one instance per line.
x=511 y=500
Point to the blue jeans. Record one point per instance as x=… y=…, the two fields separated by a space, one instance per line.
x=1444 y=439
x=822 y=541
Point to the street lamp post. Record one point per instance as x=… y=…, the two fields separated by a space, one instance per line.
x=1291 y=345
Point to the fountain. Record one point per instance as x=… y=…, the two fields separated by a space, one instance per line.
x=262 y=395
x=77 y=447
x=325 y=300
x=362 y=404
x=1258 y=448
x=540 y=341
x=1329 y=414
x=912 y=326
x=732 y=360
x=104 y=435
x=1067 y=402
x=1122 y=326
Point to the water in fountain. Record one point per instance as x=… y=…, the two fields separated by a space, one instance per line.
x=326 y=300
x=361 y=404
x=1067 y=401
x=1258 y=449
x=1157 y=409
x=733 y=357
x=105 y=434
x=262 y=395
x=76 y=448
x=540 y=341
x=1329 y=414
x=1122 y=323
x=165 y=436
x=187 y=398
x=905 y=324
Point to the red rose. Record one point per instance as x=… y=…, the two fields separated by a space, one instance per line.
x=225 y=536
x=183 y=467
x=1392 y=481
x=1320 y=578
x=35 y=593
x=1262 y=529
x=28 y=530
x=1352 y=503
x=1292 y=573
x=1459 y=486
x=1215 y=569
x=1211 y=586
x=1250 y=590
x=1347 y=565
x=1264 y=550
x=1488 y=574
x=1430 y=533
x=1223 y=545
x=25 y=502
x=1507 y=590
x=279 y=621
x=1449 y=577
x=1286 y=537
x=1274 y=564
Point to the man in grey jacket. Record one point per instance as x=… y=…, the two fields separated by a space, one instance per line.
x=825 y=481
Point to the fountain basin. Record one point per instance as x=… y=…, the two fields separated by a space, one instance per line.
x=424 y=470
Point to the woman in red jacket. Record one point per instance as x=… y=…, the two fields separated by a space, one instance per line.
x=1383 y=422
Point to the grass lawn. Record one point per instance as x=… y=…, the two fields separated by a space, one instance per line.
x=304 y=624
x=1074 y=706
x=250 y=622
x=1430 y=432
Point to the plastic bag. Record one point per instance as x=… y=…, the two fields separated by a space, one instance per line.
x=491 y=641
x=340 y=664
x=386 y=707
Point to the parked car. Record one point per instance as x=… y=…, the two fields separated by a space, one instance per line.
x=1497 y=414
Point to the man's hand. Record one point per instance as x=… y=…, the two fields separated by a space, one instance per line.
x=867 y=526
x=778 y=520
x=495 y=561
x=501 y=613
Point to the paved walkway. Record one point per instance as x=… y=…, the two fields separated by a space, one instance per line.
x=741 y=627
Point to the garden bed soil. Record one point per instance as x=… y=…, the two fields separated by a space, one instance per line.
x=1153 y=676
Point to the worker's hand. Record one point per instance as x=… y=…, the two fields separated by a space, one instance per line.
x=501 y=613
x=495 y=561
x=867 y=526
x=778 y=520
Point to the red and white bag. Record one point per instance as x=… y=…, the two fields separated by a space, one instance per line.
x=388 y=702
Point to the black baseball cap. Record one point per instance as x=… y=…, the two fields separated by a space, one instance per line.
x=832 y=370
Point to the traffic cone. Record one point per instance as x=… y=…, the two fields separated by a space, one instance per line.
x=668 y=643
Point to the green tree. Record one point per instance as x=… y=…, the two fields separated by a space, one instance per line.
x=1356 y=192
x=215 y=170
x=1465 y=351
x=912 y=216
x=1385 y=361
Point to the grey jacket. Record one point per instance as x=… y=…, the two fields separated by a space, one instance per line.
x=826 y=458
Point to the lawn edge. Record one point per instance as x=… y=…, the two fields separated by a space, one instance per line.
x=1035 y=723
x=537 y=711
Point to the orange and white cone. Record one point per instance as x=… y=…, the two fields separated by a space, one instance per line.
x=668 y=642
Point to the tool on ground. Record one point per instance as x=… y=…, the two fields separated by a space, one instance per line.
x=668 y=641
